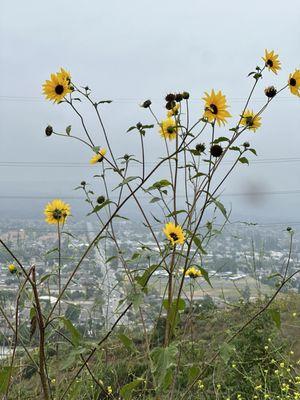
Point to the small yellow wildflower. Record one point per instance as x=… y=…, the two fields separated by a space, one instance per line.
x=174 y=233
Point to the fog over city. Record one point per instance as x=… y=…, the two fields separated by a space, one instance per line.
x=129 y=52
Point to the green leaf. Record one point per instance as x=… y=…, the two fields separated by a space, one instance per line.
x=198 y=174
x=155 y=199
x=160 y=184
x=220 y=206
x=198 y=243
x=52 y=251
x=226 y=351
x=4 y=378
x=275 y=315
x=221 y=139
x=142 y=280
x=127 y=390
x=68 y=129
x=164 y=358
x=98 y=207
x=127 y=180
x=205 y=275
x=244 y=160
x=193 y=372
x=235 y=148
x=127 y=342
x=253 y=151
x=110 y=259
x=131 y=128
x=172 y=214
x=75 y=334
x=104 y=101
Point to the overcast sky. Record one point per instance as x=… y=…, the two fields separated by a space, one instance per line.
x=132 y=50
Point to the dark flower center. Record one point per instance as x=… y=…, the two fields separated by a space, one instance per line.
x=293 y=82
x=59 y=89
x=170 y=129
x=57 y=214
x=213 y=109
x=174 y=236
x=249 y=121
x=269 y=63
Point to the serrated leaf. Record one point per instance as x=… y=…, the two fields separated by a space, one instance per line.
x=164 y=358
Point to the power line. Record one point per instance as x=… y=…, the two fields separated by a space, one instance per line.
x=68 y=197
x=62 y=164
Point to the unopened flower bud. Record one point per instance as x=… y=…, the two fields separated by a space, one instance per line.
x=49 y=130
x=147 y=104
x=126 y=157
x=83 y=183
x=101 y=199
x=246 y=144
x=216 y=150
x=200 y=147
x=185 y=95
x=170 y=105
x=170 y=97
x=139 y=125
x=270 y=91
x=178 y=97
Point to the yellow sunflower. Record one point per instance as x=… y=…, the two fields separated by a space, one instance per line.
x=251 y=120
x=271 y=61
x=168 y=128
x=56 y=212
x=216 y=107
x=64 y=74
x=57 y=87
x=193 y=272
x=174 y=111
x=294 y=82
x=12 y=268
x=98 y=157
x=174 y=233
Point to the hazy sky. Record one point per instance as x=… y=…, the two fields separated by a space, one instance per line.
x=132 y=50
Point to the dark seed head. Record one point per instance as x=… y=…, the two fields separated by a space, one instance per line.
x=170 y=129
x=100 y=199
x=213 y=109
x=270 y=91
x=200 y=147
x=170 y=97
x=269 y=63
x=289 y=229
x=170 y=105
x=59 y=89
x=216 y=150
x=293 y=82
x=83 y=183
x=147 y=104
x=185 y=95
x=178 y=97
x=49 y=130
